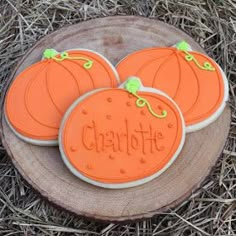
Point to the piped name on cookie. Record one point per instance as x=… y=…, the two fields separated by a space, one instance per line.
x=121 y=142
x=141 y=138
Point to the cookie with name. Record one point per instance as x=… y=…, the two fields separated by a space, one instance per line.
x=192 y=79
x=121 y=137
x=38 y=97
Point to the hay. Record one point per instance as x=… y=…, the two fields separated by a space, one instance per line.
x=209 y=211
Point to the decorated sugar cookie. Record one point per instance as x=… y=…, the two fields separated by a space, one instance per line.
x=193 y=80
x=39 y=96
x=121 y=137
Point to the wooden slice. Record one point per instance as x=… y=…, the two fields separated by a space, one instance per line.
x=43 y=167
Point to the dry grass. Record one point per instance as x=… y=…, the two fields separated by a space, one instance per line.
x=209 y=211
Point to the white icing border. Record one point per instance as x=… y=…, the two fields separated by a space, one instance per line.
x=217 y=113
x=37 y=142
x=55 y=142
x=121 y=185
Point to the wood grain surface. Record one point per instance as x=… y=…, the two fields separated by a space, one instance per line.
x=43 y=168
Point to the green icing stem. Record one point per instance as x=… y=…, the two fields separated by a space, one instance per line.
x=184 y=47
x=132 y=86
x=141 y=102
x=206 y=65
x=52 y=54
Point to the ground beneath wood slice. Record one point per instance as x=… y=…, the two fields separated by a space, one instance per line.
x=209 y=211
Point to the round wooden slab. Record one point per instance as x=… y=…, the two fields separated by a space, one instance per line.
x=43 y=168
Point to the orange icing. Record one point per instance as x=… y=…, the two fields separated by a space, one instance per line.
x=39 y=96
x=199 y=93
x=107 y=138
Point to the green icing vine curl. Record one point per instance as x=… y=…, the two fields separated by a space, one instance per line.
x=132 y=86
x=52 y=54
x=184 y=46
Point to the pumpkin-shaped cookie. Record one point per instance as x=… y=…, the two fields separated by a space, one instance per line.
x=39 y=96
x=195 y=82
x=121 y=137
